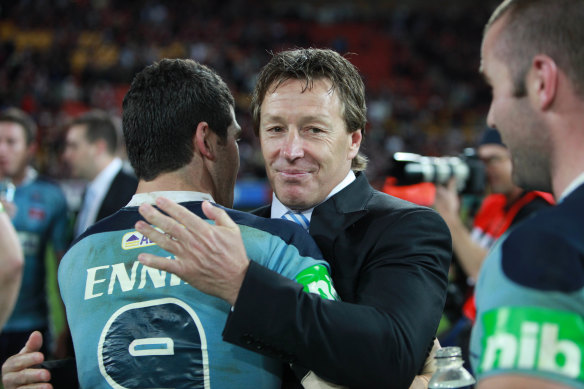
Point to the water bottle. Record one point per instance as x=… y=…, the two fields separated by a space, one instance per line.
x=449 y=370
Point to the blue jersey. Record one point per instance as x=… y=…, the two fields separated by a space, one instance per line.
x=41 y=217
x=530 y=299
x=137 y=327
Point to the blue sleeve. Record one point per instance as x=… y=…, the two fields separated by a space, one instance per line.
x=535 y=257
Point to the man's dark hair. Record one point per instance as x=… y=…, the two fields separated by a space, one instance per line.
x=532 y=27
x=15 y=115
x=99 y=125
x=161 y=111
x=311 y=65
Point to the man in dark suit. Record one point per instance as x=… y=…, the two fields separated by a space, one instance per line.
x=91 y=152
x=389 y=258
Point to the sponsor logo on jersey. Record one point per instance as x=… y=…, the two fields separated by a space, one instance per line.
x=316 y=279
x=134 y=240
x=533 y=339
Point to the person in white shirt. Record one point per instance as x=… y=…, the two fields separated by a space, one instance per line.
x=91 y=152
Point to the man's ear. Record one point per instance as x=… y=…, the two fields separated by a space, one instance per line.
x=202 y=141
x=356 y=137
x=101 y=146
x=545 y=80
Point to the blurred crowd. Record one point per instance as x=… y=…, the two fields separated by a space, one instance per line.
x=60 y=58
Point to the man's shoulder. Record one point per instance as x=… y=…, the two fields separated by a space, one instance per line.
x=384 y=201
x=45 y=190
x=381 y=210
x=565 y=220
x=360 y=194
x=384 y=206
x=545 y=252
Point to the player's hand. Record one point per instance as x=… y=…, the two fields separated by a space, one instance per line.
x=421 y=381
x=18 y=371
x=447 y=202
x=211 y=258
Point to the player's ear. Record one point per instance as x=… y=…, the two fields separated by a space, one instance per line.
x=202 y=140
x=544 y=73
x=101 y=146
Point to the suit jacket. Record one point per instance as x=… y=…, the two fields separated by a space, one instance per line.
x=118 y=195
x=389 y=261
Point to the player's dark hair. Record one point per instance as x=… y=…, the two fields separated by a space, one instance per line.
x=161 y=111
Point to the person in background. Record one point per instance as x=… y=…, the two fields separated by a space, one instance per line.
x=389 y=258
x=505 y=206
x=39 y=215
x=530 y=292
x=11 y=265
x=91 y=148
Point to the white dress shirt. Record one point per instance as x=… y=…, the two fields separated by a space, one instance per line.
x=279 y=209
x=94 y=194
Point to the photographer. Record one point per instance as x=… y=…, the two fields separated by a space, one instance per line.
x=506 y=205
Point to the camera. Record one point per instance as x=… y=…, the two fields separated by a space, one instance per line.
x=467 y=168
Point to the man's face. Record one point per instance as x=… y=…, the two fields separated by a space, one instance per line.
x=14 y=151
x=306 y=147
x=80 y=153
x=227 y=165
x=520 y=125
x=498 y=167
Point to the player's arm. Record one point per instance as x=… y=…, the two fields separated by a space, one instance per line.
x=316 y=279
x=11 y=265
